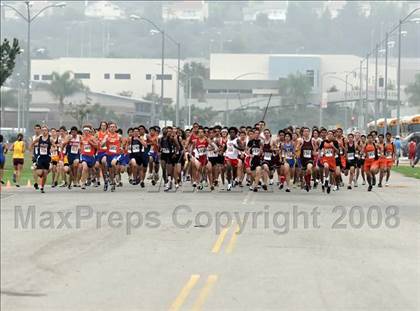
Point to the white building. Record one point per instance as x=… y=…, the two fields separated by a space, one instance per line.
x=191 y=10
x=274 y=10
x=104 y=9
x=114 y=76
x=325 y=71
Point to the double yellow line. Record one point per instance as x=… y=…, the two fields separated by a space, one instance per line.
x=219 y=242
x=185 y=291
x=211 y=279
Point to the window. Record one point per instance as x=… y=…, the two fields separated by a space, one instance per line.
x=148 y=76
x=311 y=76
x=46 y=77
x=106 y=75
x=36 y=77
x=82 y=75
x=165 y=77
x=122 y=76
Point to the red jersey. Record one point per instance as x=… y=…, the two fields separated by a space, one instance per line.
x=87 y=148
x=102 y=144
x=201 y=146
x=113 y=144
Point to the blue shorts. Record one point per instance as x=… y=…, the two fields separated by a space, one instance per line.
x=110 y=158
x=154 y=156
x=123 y=159
x=291 y=162
x=90 y=160
x=100 y=155
x=73 y=157
x=2 y=160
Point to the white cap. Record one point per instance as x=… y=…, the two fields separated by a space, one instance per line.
x=397 y=137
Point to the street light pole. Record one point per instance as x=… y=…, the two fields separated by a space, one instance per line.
x=376 y=88
x=359 y=118
x=28 y=18
x=177 y=86
x=162 y=76
x=366 y=110
x=386 y=85
x=399 y=78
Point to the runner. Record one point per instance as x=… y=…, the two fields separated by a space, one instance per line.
x=3 y=150
x=351 y=160
x=288 y=158
x=329 y=148
x=254 y=150
x=307 y=157
x=89 y=145
x=389 y=159
x=18 y=157
x=371 y=164
x=138 y=156
x=43 y=159
x=412 y=151
x=71 y=145
x=232 y=162
x=101 y=164
x=55 y=158
x=34 y=150
x=113 y=147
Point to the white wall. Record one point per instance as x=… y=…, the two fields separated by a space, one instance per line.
x=229 y=66
x=97 y=67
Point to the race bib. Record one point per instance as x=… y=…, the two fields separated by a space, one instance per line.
x=307 y=154
x=267 y=156
x=113 y=149
x=87 y=148
x=211 y=154
x=328 y=152
x=74 y=149
x=230 y=149
x=201 y=151
x=371 y=154
x=136 y=148
x=389 y=155
x=350 y=156
x=255 y=151
x=165 y=150
x=43 y=150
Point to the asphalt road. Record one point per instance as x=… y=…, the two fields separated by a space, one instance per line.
x=142 y=250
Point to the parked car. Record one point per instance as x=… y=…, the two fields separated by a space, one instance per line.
x=406 y=140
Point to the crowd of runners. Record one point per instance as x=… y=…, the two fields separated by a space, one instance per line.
x=207 y=157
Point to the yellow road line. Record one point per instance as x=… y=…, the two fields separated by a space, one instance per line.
x=183 y=294
x=204 y=292
x=219 y=241
x=232 y=241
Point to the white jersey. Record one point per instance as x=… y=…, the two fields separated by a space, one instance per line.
x=231 y=149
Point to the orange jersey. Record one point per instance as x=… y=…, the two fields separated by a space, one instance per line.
x=370 y=152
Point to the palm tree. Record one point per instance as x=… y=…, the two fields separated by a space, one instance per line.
x=413 y=91
x=63 y=86
x=296 y=89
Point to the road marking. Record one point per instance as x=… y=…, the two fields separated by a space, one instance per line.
x=183 y=294
x=211 y=280
x=219 y=241
x=232 y=241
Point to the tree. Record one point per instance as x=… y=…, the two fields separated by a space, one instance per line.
x=413 y=91
x=295 y=89
x=8 y=58
x=8 y=99
x=79 y=113
x=197 y=72
x=63 y=86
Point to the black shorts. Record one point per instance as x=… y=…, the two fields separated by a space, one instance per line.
x=141 y=159
x=43 y=163
x=169 y=158
x=305 y=163
x=268 y=163
x=255 y=162
x=213 y=160
x=221 y=159
x=17 y=162
x=360 y=163
x=351 y=163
